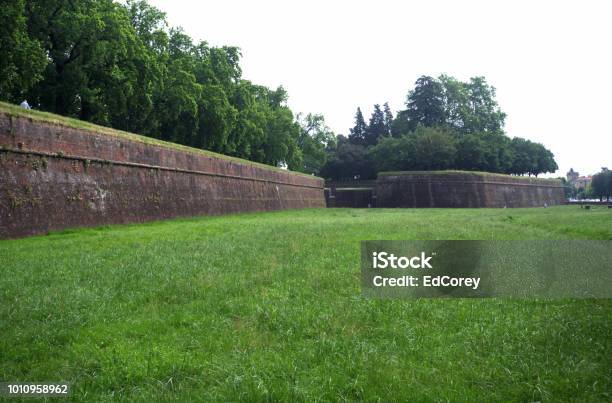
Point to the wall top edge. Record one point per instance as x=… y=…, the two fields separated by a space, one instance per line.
x=9 y=111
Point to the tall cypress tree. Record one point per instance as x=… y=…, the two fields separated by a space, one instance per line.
x=377 y=127
x=388 y=119
x=359 y=131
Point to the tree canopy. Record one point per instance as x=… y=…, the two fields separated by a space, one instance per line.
x=447 y=124
x=121 y=65
x=601 y=184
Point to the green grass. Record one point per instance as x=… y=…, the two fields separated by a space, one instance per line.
x=478 y=174
x=268 y=307
x=87 y=127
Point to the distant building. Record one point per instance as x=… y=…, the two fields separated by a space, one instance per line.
x=579 y=182
x=582 y=182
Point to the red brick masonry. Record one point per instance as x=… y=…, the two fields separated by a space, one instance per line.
x=465 y=189
x=53 y=177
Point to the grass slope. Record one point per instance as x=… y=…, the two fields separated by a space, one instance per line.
x=267 y=307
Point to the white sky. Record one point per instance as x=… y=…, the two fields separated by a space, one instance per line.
x=551 y=61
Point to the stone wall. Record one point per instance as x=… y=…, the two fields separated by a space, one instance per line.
x=353 y=194
x=350 y=197
x=56 y=175
x=465 y=189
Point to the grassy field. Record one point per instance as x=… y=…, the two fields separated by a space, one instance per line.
x=268 y=307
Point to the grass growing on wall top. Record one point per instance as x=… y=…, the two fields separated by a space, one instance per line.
x=46 y=117
x=472 y=173
x=267 y=306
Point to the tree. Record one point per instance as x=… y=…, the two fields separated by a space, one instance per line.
x=358 y=133
x=455 y=103
x=401 y=124
x=545 y=160
x=351 y=161
x=425 y=104
x=434 y=149
x=394 y=154
x=482 y=113
x=608 y=182
x=23 y=59
x=388 y=119
x=471 y=153
x=465 y=107
x=217 y=117
x=119 y=64
x=484 y=152
x=524 y=158
x=314 y=141
x=450 y=124
x=282 y=132
x=601 y=184
x=90 y=46
x=377 y=127
x=426 y=148
x=568 y=189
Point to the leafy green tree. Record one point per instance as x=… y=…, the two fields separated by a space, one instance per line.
x=394 y=154
x=401 y=124
x=608 y=182
x=455 y=103
x=482 y=113
x=314 y=141
x=282 y=132
x=90 y=72
x=23 y=59
x=502 y=146
x=425 y=104
x=217 y=117
x=524 y=158
x=465 y=107
x=483 y=152
x=424 y=149
x=471 y=153
x=121 y=65
x=249 y=132
x=350 y=161
x=434 y=149
x=601 y=185
x=531 y=158
x=545 y=160
x=568 y=189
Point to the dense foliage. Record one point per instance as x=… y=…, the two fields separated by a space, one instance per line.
x=120 y=65
x=447 y=124
x=601 y=185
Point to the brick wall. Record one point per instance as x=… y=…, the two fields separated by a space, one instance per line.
x=54 y=176
x=465 y=189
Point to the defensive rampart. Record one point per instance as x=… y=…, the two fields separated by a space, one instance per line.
x=465 y=189
x=58 y=173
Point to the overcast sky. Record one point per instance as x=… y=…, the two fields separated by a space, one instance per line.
x=551 y=62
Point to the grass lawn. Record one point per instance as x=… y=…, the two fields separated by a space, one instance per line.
x=268 y=307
